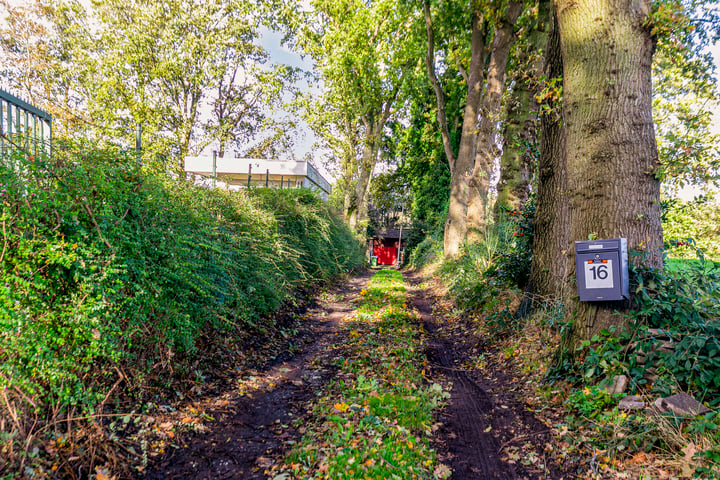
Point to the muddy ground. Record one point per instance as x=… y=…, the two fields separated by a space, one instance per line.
x=259 y=415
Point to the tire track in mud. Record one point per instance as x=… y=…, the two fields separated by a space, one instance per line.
x=252 y=431
x=476 y=423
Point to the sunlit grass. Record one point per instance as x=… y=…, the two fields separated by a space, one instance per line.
x=376 y=418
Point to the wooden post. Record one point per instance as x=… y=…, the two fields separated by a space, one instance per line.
x=282 y=179
x=249 y=174
x=267 y=178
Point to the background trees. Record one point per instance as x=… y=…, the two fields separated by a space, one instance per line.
x=364 y=53
x=192 y=73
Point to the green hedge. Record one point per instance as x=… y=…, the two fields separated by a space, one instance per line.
x=104 y=264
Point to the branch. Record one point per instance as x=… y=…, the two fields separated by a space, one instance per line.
x=95 y=224
x=439 y=94
x=461 y=69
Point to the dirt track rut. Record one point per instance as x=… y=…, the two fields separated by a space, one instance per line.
x=482 y=417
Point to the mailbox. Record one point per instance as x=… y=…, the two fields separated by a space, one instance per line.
x=601 y=268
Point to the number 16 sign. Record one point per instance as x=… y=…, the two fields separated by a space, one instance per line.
x=598 y=274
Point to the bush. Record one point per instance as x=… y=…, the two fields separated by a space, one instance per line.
x=426 y=252
x=513 y=265
x=682 y=307
x=108 y=268
x=686 y=307
x=691 y=227
x=479 y=276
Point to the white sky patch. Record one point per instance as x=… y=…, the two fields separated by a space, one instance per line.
x=271 y=41
x=689 y=192
x=715 y=50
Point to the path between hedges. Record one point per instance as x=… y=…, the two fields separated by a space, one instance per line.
x=252 y=430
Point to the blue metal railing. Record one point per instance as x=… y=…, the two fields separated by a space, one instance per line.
x=23 y=125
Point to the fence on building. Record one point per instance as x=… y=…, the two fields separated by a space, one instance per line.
x=23 y=126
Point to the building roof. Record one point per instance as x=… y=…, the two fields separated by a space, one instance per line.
x=235 y=171
x=391 y=233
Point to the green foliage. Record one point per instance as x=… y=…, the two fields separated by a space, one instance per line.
x=675 y=335
x=103 y=68
x=692 y=227
x=324 y=246
x=422 y=162
x=466 y=275
x=106 y=265
x=589 y=402
x=513 y=266
x=426 y=251
x=686 y=307
x=501 y=261
x=362 y=76
x=685 y=94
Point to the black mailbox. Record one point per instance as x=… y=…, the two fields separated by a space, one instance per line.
x=601 y=268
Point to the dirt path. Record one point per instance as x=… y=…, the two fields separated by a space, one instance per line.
x=485 y=423
x=254 y=428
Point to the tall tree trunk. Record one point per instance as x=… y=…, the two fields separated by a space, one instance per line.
x=349 y=207
x=611 y=151
x=462 y=164
x=486 y=151
x=519 y=144
x=369 y=158
x=550 y=243
x=520 y=139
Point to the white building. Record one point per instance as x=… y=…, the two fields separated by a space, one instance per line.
x=257 y=172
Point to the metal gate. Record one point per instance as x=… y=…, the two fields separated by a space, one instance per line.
x=23 y=126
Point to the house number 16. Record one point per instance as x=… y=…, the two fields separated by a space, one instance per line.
x=598 y=275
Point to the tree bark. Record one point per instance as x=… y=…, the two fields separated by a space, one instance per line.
x=362 y=186
x=522 y=123
x=519 y=144
x=373 y=125
x=611 y=151
x=550 y=243
x=461 y=165
x=486 y=151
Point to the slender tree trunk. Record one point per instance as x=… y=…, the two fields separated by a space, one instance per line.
x=611 y=151
x=348 y=207
x=461 y=165
x=348 y=194
x=550 y=243
x=486 y=151
x=367 y=166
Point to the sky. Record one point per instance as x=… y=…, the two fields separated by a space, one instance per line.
x=279 y=53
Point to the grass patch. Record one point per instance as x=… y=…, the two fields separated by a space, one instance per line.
x=375 y=420
x=683 y=265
